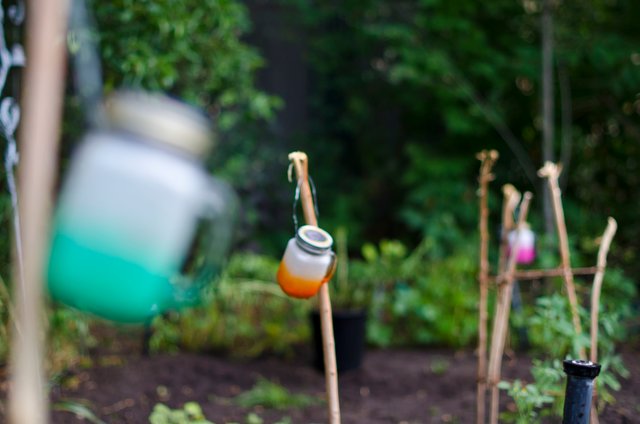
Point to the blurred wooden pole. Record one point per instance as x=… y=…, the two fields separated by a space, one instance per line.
x=551 y=172
x=605 y=244
x=511 y=198
x=301 y=164
x=487 y=159
x=42 y=109
x=607 y=237
x=503 y=308
x=536 y=274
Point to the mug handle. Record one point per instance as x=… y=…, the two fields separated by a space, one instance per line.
x=331 y=269
x=211 y=241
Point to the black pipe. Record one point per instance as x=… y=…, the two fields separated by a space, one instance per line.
x=577 y=401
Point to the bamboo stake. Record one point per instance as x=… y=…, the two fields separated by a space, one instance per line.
x=535 y=274
x=487 y=159
x=551 y=172
x=42 y=103
x=607 y=237
x=300 y=162
x=511 y=198
x=501 y=320
x=603 y=250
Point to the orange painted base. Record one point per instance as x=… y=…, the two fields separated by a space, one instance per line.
x=295 y=286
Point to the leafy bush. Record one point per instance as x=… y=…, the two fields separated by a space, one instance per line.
x=350 y=289
x=552 y=335
x=528 y=398
x=191 y=49
x=420 y=299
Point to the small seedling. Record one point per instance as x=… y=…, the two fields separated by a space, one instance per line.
x=79 y=408
x=439 y=366
x=268 y=394
x=528 y=399
x=191 y=413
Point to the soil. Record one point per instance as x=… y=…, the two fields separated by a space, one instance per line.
x=393 y=386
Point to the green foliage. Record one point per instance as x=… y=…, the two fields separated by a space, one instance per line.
x=69 y=339
x=420 y=298
x=245 y=314
x=435 y=210
x=404 y=94
x=69 y=334
x=551 y=328
x=253 y=418
x=79 y=408
x=349 y=289
x=192 y=49
x=528 y=398
x=271 y=395
x=191 y=412
x=552 y=335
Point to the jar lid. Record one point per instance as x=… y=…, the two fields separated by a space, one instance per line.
x=161 y=119
x=313 y=239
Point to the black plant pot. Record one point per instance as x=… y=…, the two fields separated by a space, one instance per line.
x=349 y=330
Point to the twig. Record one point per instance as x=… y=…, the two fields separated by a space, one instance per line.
x=607 y=237
x=511 y=198
x=535 y=274
x=551 y=172
x=301 y=165
x=503 y=307
x=487 y=159
x=42 y=103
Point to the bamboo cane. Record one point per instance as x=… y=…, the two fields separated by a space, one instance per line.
x=301 y=164
x=551 y=172
x=511 y=198
x=603 y=250
x=42 y=104
x=501 y=319
x=535 y=274
x=487 y=159
x=607 y=237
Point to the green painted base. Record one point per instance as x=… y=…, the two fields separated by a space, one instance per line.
x=107 y=286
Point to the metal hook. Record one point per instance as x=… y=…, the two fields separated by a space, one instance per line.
x=296 y=197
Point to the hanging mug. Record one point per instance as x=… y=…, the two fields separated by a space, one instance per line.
x=308 y=262
x=526 y=245
x=140 y=226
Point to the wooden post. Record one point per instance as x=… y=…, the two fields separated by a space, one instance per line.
x=511 y=198
x=536 y=274
x=551 y=172
x=487 y=159
x=42 y=105
x=607 y=237
x=503 y=308
x=301 y=164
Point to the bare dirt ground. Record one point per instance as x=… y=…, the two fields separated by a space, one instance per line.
x=393 y=386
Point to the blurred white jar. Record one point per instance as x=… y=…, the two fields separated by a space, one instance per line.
x=130 y=205
x=526 y=241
